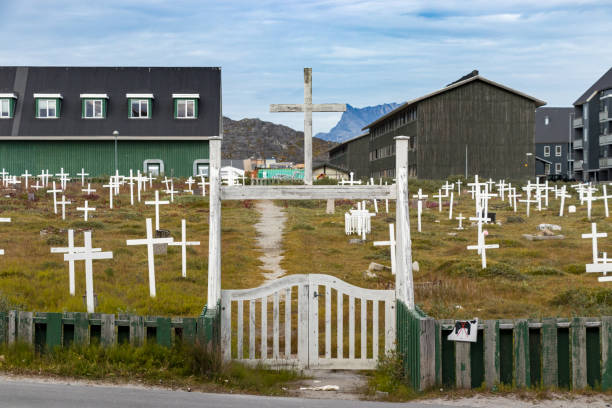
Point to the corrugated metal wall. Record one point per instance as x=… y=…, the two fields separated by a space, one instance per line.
x=98 y=157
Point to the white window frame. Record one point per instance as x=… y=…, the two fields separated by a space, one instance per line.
x=94 y=102
x=159 y=162
x=200 y=162
x=547 y=151
x=46 y=101
x=5 y=114
x=558 y=151
x=186 y=102
x=547 y=168
x=557 y=168
x=140 y=102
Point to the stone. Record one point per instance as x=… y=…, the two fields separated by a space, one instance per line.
x=550 y=227
x=369 y=274
x=31 y=197
x=161 y=249
x=547 y=233
x=531 y=237
x=415 y=266
x=375 y=267
x=571 y=209
x=331 y=207
x=355 y=241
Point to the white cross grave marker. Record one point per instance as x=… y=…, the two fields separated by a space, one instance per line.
x=439 y=197
x=605 y=197
x=71 y=249
x=149 y=241
x=157 y=203
x=482 y=249
x=603 y=267
x=86 y=210
x=63 y=178
x=111 y=188
x=54 y=191
x=88 y=190
x=88 y=254
x=63 y=203
x=4 y=220
x=190 y=181
x=594 y=235
x=391 y=244
x=203 y=185
x=308 y=107
x=183 y=243
x=27 y=176
x=420 y=196
x=460 y=218
x=450 y=208
x=563 y=195
x=82 y=174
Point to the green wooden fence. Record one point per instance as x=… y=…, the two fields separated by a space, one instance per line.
x=50 y=330
x=565 y=353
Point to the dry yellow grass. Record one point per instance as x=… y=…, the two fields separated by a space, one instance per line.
x=35 y=279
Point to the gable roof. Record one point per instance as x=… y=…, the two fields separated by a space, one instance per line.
x=605 y=82
x=114 y=82
x=559 y=125
x=454 y=85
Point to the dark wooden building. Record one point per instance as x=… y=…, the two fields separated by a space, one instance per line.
x=352 y=156
x=473 y=126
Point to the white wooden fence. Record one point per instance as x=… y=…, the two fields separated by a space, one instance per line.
x=297 y=341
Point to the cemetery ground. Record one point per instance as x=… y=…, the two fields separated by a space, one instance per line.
x=531 y=279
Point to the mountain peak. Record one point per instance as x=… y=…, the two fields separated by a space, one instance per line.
x=353 y=120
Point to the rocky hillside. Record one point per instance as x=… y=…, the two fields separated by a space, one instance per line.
x=254 y=137
x=353 y=120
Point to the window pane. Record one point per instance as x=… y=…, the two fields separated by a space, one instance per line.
x=4 y=108
x=135 y=109
x=98 y=109
x=180 y=109
x=144 y=109
x=190 y=112
x=42 y=109
x=89 y=109
x=51 y=108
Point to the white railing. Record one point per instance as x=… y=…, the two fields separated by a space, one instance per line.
x=578 y=165
x=605 y=139
x=577 y=122
x=604 y=117
x=578 y=144
x=605 y=162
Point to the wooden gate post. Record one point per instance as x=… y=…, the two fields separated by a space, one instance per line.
x=403 y=255
x=214 y=242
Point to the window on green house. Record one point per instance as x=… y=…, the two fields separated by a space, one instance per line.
x=5 y=108
x=47 y=108
x=139 y=105
x=185 y=106
x=48 y=105
x=93 y=106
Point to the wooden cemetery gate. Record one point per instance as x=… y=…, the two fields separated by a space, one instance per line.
x=313 y=334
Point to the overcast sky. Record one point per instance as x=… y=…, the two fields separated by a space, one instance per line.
x=363 y=52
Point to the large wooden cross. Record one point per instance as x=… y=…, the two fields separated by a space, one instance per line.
x=308 y=107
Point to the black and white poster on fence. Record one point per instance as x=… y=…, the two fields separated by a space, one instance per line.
x=464 y=330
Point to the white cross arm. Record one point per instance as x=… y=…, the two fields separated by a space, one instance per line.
x=597 y=235
x=82 y=256
x=316 y=107
x=383 y=243
x=5 y=220
x=73 y=250
x=488 y=246
x=149 y=241
x=179 y=243
x=157 y=202
x=599 y=268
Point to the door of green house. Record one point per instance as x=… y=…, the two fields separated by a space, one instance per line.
x=153 y=169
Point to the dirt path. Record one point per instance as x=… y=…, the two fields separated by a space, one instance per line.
x=269 y=238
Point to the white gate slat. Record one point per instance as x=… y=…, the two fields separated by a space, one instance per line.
x=389 y=326
x=351 y=327
x=313 y=324
x=303 y=324
x=328 y=318
x=252 y=329
x=275 y=318
x=226 y=328
x=264 y=327
x=364 y=327
x=239 y=330
x=288 y=322
x=340 y=331
x=375 y=330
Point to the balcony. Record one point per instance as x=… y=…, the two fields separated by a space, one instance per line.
x=605 y=140
x=605 y=162
x=578 y=165
x=577 y=144
x=604 y=116
x=577 y=123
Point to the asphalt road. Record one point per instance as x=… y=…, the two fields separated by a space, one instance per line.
x=18 y=394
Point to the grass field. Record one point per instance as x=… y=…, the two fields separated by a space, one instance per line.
x=523 y=278
x=32 y=278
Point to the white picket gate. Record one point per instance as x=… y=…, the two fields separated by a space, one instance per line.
x=296 y=342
